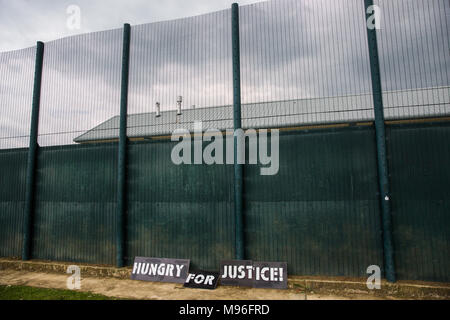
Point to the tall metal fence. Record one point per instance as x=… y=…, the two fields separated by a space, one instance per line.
x=360 y=95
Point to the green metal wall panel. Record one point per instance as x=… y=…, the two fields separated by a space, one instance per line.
x=178 y=211
x=420 y=187
x=76 y=204
x=13 y=167
x=320 y=213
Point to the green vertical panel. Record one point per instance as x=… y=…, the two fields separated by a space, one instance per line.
x=75 y=204
x=178 y=211
x=420 y=180
x=320 y=213
x=13 y=166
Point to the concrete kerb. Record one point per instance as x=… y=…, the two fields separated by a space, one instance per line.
x=87 y=270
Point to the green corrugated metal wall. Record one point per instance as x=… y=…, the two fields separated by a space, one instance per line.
x=76 y=204
x=13 y=170
x=183 y=211
x=320 y=213
x=419 y=163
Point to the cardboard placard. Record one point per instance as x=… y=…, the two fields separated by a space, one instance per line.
x=236 y=273
x=272 y=275
x=200 y=279
x=160 y=269
x=253 y=274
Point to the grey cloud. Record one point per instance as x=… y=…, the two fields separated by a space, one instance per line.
x=23 y=22
x=289 y=49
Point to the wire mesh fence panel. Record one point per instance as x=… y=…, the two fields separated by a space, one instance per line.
x=320 y=213
x=77 y=183
x=414 y=42
x=304 y=62
x=16 y=92
x=420 y=180
x=80 y=86
x=182 y=64
x=179 y=211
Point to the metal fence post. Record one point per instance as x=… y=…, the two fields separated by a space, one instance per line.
x=383 y=175
x=122 y=162
x=238 y=168
x=32 y=153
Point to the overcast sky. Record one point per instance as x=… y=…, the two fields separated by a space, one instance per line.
x=290 y=49
x=23 y=22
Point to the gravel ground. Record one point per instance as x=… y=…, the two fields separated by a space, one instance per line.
x=131 y=289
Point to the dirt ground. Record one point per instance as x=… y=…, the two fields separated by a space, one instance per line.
x=132 y=289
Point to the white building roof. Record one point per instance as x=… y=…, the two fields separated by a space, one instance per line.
x=406 y=104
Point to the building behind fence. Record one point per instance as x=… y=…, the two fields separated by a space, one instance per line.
x=85 y=161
